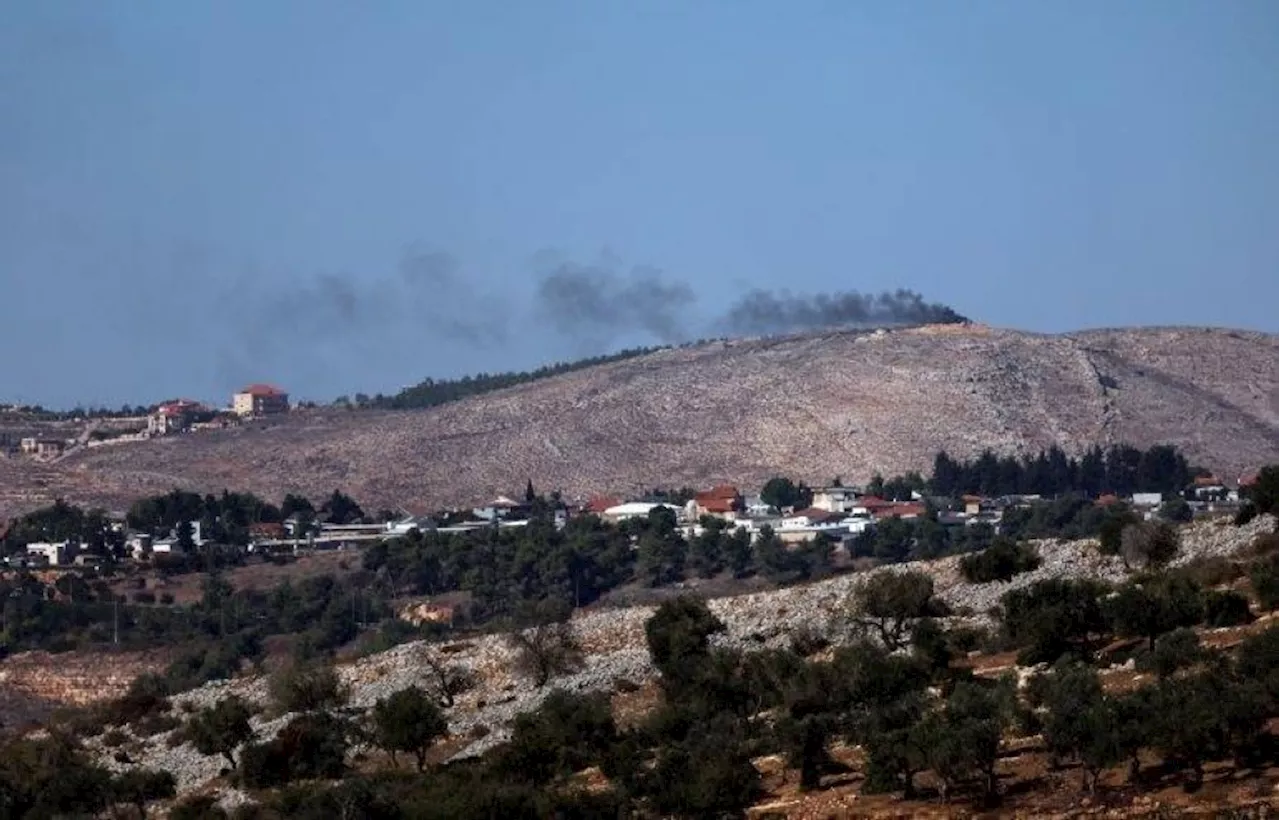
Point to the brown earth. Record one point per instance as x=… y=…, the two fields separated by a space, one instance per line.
x=812 y=406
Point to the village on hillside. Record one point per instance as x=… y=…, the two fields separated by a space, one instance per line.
x=836 y=514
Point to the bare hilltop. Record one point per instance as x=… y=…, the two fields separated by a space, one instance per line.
x=811 y=406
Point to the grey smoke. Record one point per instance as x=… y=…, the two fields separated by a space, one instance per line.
x=595 y=303
x=761 y=312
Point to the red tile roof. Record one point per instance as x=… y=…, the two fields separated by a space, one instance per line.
x=262 y=390
x=873 y=502
x=906 y=509
x=602 y=503
x=717 y=505
x=727 y=491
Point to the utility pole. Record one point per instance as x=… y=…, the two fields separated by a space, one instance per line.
x=115 y=620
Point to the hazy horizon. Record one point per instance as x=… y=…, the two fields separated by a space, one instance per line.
x=340 y=199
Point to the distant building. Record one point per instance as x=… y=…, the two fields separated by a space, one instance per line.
x=836 y=499
x=175 y=417
x=54 y=554
x=636 y=509
x=43 y=447
x=260 y=400
x=723 y=501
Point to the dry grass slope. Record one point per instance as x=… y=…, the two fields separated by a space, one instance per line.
x=812 y=406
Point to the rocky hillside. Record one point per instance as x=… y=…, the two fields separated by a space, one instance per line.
x=616 y=657
x=812 y=406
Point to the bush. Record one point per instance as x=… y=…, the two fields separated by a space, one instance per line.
x=311 y=746
x=1265 y=582
x=306 y=687
x=1000 y=562
x=1148 y=544
x=1175 y=650
x=199 y=807
x=137 y=787
x=566 y=734
x=1226 y=609
x=545 y=651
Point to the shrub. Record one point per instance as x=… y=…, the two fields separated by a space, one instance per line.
x=1148 y=544
x=312 y=745
x=1175 y=650
x=114 y=738
x=306 y=687
x=1226 y=608
x=199 y=807
x=1001 y=561
x=567 y=733
x=545 y=651
x=137 y=787
x=1211 y=571
x=1265 y=582
x=155 y=724
x=147 y=695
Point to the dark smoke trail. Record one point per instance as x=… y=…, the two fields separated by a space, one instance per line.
x=596 y=304
x=762 y=312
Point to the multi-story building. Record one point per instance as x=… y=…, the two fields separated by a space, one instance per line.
x=260 y=400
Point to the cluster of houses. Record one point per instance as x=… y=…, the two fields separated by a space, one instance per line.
x=168 y=418
x=837 y=512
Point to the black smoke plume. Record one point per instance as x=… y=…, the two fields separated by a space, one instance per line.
x=595 y=303
x=762 y=312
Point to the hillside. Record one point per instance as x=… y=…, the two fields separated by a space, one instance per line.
x=812 y=406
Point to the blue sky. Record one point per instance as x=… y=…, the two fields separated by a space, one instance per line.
x=341 y=197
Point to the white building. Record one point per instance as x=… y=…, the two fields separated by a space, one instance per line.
x=836 y=499
x=54 y=554
x=636 y=509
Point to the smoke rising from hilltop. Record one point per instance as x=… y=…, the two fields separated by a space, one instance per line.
x=592 y=304
x=314 y=330
x=763 y=312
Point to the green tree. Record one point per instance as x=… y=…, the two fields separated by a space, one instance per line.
x=1052 y=617
x=306 y=687
x=890 y=601
x=963 y=739
x=1148 y=544
x=780 y=492
x=220 y=729
x=566 y=734
x=185 y=536
x=1173 y=651
x=1152 y=608
x=408 y=721
x=138 y=787
x=1176 y=510
x=678 y=636
x=1001 y=561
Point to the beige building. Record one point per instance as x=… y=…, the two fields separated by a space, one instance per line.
x=260 y=400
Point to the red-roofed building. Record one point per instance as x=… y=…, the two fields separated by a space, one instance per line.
x=175 y=416
x=896 y=509
x=723 y=501
x=599 y=504
x=260 y=400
